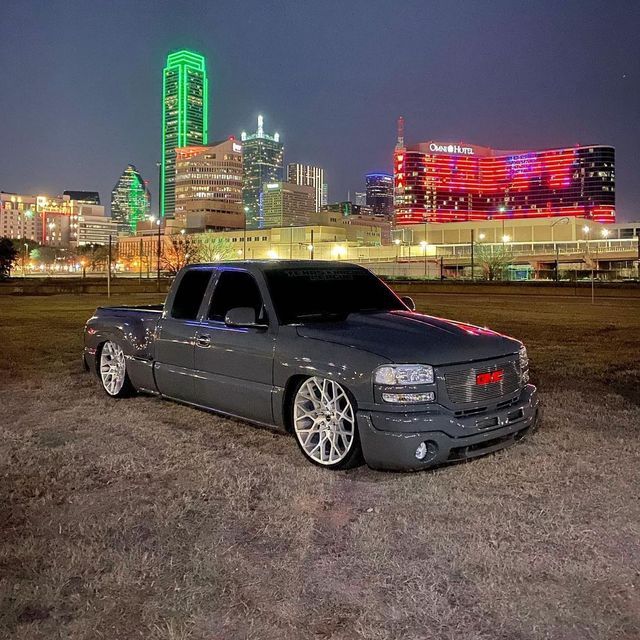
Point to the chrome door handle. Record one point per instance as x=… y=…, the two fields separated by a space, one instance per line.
x=203 y=341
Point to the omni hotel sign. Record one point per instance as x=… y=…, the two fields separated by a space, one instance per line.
x=451 y=148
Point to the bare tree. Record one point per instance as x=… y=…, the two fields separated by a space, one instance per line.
x=494 y=260
x=179 y=251
x=212 y=248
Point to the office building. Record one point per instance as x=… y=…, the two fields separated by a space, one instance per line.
x=262 y=159
x=184 y=116
x=309 y=176
x=19 y=217
x=212 y=172
x=95 y=229
x=130 y=199
x=451 y=182
x=85 y=197
x=360 y=198
x=380 y=194
x=286 y=204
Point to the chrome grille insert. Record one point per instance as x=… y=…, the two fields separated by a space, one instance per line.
x=462 y=388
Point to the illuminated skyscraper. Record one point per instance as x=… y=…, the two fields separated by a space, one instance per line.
x=184 y=116
x=380 y=194
x=262 y=158
x=130 y=198
x=309 y=176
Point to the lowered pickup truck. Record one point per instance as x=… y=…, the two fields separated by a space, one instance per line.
x=324 y=350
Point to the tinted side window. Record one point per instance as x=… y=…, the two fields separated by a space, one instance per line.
x=235 y=289
x=189 y=294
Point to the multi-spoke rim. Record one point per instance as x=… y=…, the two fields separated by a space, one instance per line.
x=112 y=368
x=323 y=420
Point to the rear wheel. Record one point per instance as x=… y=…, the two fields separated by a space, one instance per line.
x=113 y=371
x=324 y=423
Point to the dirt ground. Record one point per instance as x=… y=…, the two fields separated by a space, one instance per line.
x=142 y=518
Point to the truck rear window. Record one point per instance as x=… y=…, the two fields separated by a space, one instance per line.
x=190 y=293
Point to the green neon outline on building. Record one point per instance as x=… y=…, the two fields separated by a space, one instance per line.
x=190 y=68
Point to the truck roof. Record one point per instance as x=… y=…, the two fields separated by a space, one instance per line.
x=269 y=265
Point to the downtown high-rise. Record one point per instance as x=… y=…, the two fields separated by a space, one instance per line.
x=262 y=159
x=184 y=116
x=380 y=194
x=130 y=199
x=309 y=176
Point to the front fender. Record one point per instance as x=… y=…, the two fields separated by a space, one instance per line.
x=296 y=357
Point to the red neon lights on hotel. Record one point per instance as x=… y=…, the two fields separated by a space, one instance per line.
x=432 y=186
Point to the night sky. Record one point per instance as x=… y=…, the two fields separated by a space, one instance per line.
x=81 y=82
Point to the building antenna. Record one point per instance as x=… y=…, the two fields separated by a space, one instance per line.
x=400 y=142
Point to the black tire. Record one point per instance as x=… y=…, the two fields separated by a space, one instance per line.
x=111 y=355
x=333 y=435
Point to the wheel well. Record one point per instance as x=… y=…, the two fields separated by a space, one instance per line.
x=289 y=389
x=287 y=398
x=96 y=356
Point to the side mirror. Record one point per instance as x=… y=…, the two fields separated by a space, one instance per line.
x=243 y=317
x=409 y=302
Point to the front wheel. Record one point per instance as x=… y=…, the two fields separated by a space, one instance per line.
x=113 y=371
x=324 y=423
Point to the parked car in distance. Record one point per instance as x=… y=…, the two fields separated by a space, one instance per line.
x=326 y=351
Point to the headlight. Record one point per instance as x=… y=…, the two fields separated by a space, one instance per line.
x=524 y=364
x=404 y=374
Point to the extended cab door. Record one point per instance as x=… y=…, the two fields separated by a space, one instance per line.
x=176 y=335
x=234 y=366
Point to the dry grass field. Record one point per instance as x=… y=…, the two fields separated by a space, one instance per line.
x=142 y=518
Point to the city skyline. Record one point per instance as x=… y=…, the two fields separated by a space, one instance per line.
x=516 y=94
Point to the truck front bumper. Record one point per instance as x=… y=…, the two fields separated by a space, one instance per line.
x=390 y=440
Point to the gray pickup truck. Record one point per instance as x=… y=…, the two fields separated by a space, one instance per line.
x=326 y=351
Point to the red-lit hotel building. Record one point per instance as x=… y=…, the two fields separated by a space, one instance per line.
x=453 y=182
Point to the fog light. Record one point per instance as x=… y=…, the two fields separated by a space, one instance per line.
x=427 y=451
x=399 y=398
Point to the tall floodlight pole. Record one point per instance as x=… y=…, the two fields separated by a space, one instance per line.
x=109 y=269
x=159 y=223
x=472 y=255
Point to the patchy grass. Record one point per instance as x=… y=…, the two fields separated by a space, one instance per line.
x=142 y=518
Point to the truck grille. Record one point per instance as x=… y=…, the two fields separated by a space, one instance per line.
x=462 y=386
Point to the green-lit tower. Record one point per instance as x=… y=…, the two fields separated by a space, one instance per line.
x=130 y=199
x=184 y=115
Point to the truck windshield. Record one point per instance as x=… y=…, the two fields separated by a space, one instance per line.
x=316 y=294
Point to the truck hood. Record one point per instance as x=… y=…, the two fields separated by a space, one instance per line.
x=409 y=337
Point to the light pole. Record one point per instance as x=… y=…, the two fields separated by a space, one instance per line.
x=244 y=248
x=397 y=243
x=563 y=220
x=472 y=256
x=423 y=244
x=158 y=222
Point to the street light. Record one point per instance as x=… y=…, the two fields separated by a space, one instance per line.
x=605 y=233
x=152 y=219
x=397 y=243
x=506 y=238
x=423 y=244
x=339 y=251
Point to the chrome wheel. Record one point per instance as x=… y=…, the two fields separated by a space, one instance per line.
x=113 y=370
x=324 y=421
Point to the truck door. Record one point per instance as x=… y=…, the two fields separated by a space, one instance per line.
x=175 y=339
x=234 y=366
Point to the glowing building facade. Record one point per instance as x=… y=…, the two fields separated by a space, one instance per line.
x=130 y=199
x=184 y=116
x=262 y=159
x=307 y=175
x=454 y=182
x=379 y=195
